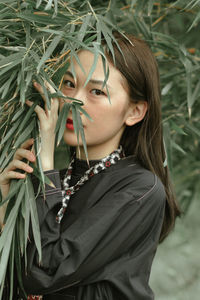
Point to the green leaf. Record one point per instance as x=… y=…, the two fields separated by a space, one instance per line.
x=12 y=59
x=14 y=187
x=5 y=152
x=93 y=67
x=25 y=134
x=37 y=151
x=107 y=35
x=11 y=267
x=27 y=117
x=38 y=175
x=85 y=113
x=17 y=114
x=38 y=3
x=18 y=261
x=11 y=217
x=30 y=196
x=178 y=147
x=80 y=125
x=5 y=88
x=150 y=6
x=11 y=132
x=49 y=4
x=5 y=253
x=61 y=122
x=48 y=52
x=177 y=129
x=166 y=88
x=57 y=77
x=84 y=26
x=75 y=121
x=194 y=95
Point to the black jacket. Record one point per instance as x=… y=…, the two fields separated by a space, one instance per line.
x=105 y=244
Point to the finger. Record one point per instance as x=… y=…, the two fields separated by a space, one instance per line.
x=54 y=101
x=41 y=91
x=49 y=87
x=39 y=110
x=23 y=153
x=18 y=164
x=14 y=175
x=27 y=143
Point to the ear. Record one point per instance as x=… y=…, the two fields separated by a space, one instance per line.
x=136 y=112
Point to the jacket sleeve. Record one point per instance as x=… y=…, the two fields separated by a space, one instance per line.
x=101 y=234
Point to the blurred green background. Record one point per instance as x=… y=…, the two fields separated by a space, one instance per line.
x=172 y=29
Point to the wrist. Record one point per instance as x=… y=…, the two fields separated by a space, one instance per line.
x=47 y=161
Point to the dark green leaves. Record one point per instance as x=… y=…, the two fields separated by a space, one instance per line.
x=61 y=123
x=40 y=39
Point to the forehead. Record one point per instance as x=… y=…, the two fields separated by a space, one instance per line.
x=87 y=60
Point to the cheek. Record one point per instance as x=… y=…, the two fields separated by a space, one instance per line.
x=107 y=117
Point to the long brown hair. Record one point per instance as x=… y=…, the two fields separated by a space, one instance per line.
x=145 y=139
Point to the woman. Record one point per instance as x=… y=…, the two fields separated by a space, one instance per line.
x=100 y=227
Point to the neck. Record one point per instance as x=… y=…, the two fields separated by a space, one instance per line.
x=95 y=153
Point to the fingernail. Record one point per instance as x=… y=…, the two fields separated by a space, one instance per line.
x=29 y=103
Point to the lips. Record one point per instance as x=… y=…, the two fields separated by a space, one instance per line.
x=69 y=124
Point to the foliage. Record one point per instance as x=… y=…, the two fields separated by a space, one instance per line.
x=38 y=40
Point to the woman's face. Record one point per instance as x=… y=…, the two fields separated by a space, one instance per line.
x=109 y=119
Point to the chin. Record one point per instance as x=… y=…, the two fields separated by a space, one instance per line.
x=71 y=140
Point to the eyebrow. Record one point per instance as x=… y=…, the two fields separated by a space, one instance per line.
x=93 y=81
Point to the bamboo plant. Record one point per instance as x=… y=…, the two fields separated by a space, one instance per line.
x=38 y=41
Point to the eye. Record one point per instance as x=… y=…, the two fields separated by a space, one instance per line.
x=68 y=83
x=97 y=92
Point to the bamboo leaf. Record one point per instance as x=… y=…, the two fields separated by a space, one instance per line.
x=14 y=187
x=11 y=267
x=75 y=121
x=11 y=217
x=27 y=117
x=5 y=88
x=49 y=51
x=17 y=114
x=84 y=26
x=80 y=125
x=12 y=59
x=37 y=151
x=10 y=132
x=93 y=67
x=57 y=77
x=38 y=3
x=5 y=253
x=49 y=4
x=18 y=261
x=61 y=122
x=178 y=147
x=195 y=95
x=34 y=215
x=150 y=6
x=38 y=175
x=166 y=88
x=6 y=148
x=85 y=113
x=24 y=135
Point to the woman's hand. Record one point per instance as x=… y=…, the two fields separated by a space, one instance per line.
x=11 y=173
x=48 y=119
x=17 y=163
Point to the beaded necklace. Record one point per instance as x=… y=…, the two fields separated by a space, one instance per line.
x=68 y=190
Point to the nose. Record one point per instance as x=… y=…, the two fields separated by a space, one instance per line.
x=80 y=96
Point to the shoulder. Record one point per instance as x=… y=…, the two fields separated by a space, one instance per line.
x=136 y=182
x=126 y=181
